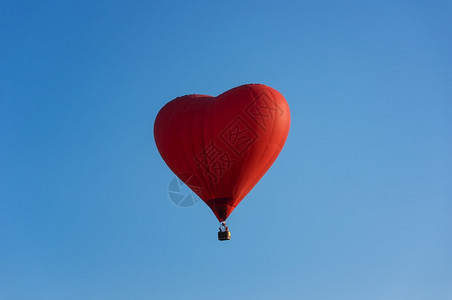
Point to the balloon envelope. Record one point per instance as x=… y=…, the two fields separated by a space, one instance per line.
x=222 y=146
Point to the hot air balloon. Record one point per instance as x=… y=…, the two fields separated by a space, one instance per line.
x=220 y=147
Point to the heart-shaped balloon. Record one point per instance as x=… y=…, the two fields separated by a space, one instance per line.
x=222 y=146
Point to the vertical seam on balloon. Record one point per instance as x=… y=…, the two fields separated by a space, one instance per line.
x=211 y=107
x=212 y=120
x=181 y=138
x=264 y=169
x=240 y=196
x=206 y=186
x=269 y=163
x=206 y=182
x=192 y=162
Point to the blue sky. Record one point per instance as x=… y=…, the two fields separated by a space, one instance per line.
x=357 y=206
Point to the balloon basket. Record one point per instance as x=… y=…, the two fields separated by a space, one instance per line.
x=224 y=235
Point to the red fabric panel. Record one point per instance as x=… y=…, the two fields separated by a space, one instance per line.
x=222 y=146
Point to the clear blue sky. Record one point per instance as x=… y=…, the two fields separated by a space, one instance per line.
x=357 y=206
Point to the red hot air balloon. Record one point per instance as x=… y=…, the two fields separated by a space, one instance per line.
x=220 y=147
